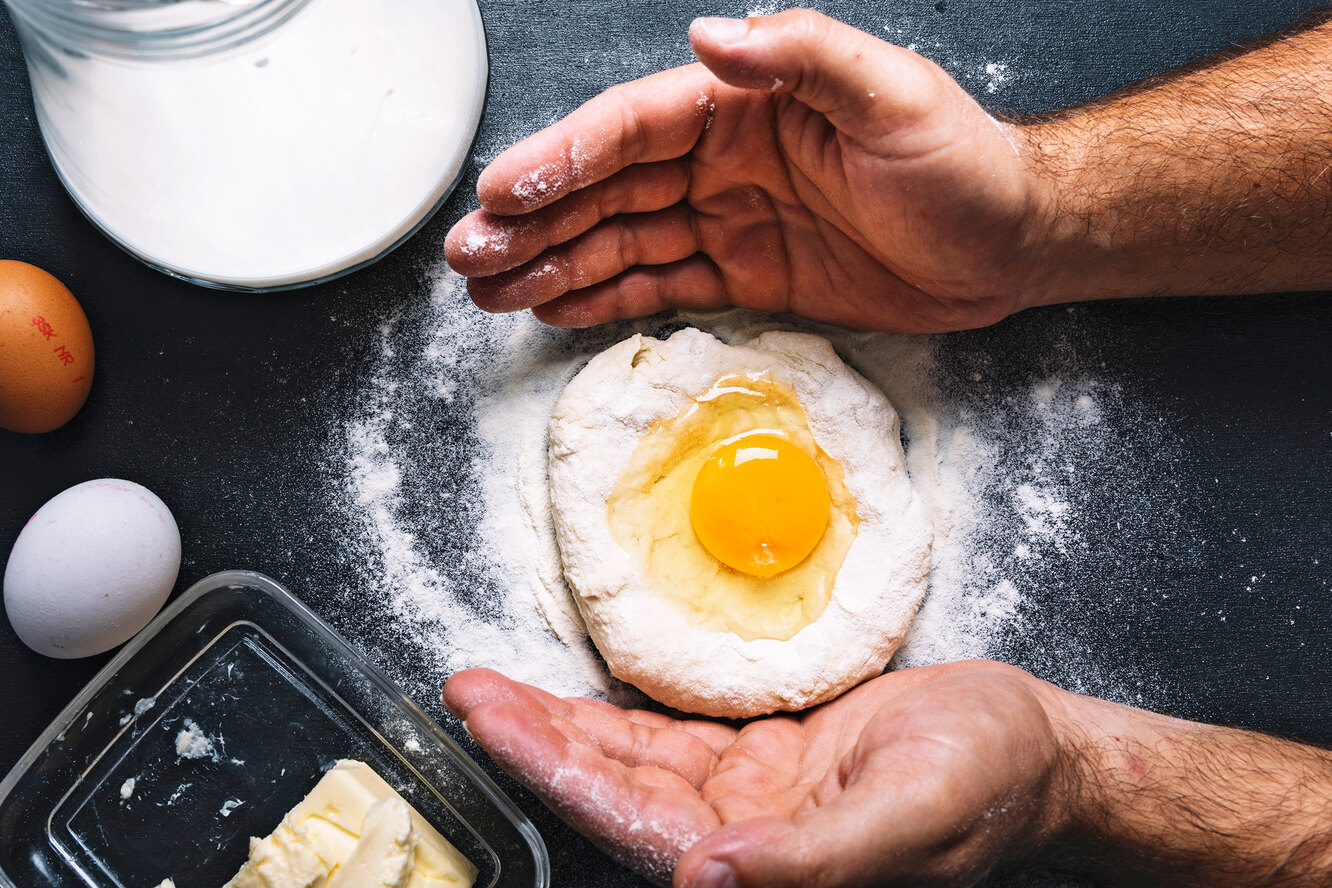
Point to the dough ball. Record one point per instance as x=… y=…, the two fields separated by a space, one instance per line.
x=736 y=521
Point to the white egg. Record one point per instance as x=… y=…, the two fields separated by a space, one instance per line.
x=91 y=568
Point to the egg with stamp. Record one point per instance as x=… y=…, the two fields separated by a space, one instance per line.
x=735 y=520
x=91 y=568
x=46 y=350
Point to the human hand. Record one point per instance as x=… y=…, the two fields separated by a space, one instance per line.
x=928 y=775
x=803 y=167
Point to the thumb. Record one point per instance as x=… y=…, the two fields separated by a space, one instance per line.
x=860 y=83
x=836 y=844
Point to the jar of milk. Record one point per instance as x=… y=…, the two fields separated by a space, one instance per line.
x=256 y=144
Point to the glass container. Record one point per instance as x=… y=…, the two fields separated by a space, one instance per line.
x=106 y=798
x=256 y=144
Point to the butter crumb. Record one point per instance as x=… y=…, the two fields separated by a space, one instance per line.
x=193 y=743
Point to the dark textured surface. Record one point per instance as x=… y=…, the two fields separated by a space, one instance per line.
x=224 y=404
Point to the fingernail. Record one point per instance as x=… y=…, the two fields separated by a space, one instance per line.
x=715 y=875
x=723 y=30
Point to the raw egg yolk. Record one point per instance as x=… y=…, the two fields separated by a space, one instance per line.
x=664 y=502
x=759 y=504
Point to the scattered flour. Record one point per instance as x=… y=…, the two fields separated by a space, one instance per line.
x=442 y=472
x=999 y=76
x=1043 y=513
x=488 y=605
x=976 y=74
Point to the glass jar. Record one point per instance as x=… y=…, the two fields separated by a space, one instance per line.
x=256 y=144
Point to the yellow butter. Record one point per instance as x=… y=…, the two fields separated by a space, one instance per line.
x=354 y=831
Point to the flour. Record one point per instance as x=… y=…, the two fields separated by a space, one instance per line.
x=1043 y=513
x=977 y=75
x=301 y=152
x=999 y=76
x=485 y=604
x=477 y=242
x=441 y=472
x=533 y=186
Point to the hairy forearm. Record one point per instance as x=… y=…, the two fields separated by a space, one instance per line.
x=1215 y=179
x=1152 y=800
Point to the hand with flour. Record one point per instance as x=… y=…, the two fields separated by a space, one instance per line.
x=808 y=167
x=804 y=166
x=898 y=779
x=929 y=776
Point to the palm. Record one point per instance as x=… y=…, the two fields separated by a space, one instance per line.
x=647 y=787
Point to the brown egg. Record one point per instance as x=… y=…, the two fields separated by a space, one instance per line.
x=46 y=350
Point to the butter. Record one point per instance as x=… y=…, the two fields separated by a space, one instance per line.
x=353 y=831
x=386 y=852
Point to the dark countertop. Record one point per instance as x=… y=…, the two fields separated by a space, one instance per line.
x=227 y=405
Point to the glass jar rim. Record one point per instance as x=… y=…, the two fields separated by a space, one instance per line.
x=148 y=29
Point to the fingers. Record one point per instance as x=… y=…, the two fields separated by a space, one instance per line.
x=637 y=744
x=483 y=243
x=948 y=778
x=617 y=244
x=869 y=833
x=861 y=84
x=643 y=817
x=832 y=845
x=716 y=735
x=693 y=284
x=634 y=739
x=591 y=765
x=652 y=119
x=762 y=773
